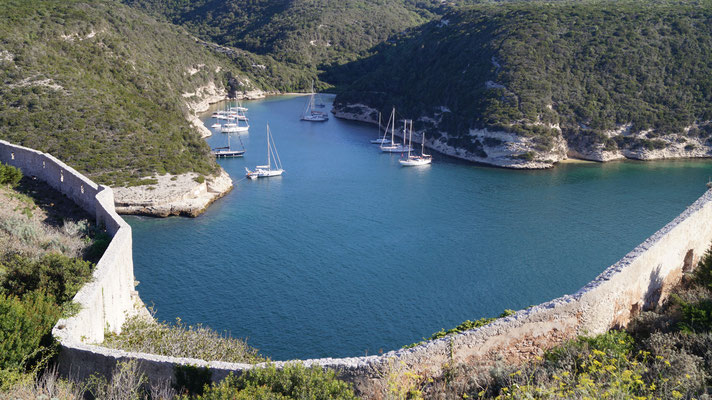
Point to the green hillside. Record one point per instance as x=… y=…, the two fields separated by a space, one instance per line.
x=304 y=34
x=524 y=67
x=99 y=85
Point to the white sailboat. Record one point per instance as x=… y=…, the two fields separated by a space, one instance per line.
x=310 y=114
x=265 y=171
x=413 y=160
x=235 y=114
x=381 y=140
x=393 y=147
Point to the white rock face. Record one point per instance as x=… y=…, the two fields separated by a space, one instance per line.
x=172 y=195
x=48 y=83
x=357 y=112
x=675 y=146
x=503 y=149
x=6 y=55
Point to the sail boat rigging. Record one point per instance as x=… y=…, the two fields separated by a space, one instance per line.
x=381 y=140
x=392 y=147
x=227 y=151
x=310 y=114
x=413 y=160
x=265 y=171
x=236 y=114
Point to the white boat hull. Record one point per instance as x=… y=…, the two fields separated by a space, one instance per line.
x=395 y=149
x=415 y=161
x=380 y=141
x=263 y=173
x=315 y=118
x=234 y=129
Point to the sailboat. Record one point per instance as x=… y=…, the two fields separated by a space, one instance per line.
x=310 y=114
x=413 y=160
x=227 y=151
x=235 y=114
x=265 y=171
x=392 y=147
x=381 y=140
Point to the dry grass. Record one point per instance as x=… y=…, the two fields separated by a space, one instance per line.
x=23 y=229
x=147 y=336
x=48 y=386
x=127 y=382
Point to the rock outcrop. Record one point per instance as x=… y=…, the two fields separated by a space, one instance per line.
x=510 y=150
x=186 y=194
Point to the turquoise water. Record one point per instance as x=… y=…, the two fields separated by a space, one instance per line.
x=350 y=254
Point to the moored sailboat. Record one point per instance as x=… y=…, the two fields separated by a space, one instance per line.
x=381 y=140
x=413 y=160
x=310 y=114
x=265 y=171
x=227 y=151
x=393 y=147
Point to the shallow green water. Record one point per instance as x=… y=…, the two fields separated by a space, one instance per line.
x=348 y=253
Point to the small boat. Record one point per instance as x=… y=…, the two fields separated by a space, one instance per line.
x=413 y=160
x=215 y=115
x=310 y=114
x=392 y=146
x=265 y=171
x=381 y=140
x=215 y=126
x=233 y=128
x=227 y=151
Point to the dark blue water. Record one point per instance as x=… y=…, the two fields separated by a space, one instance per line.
x=348 y=253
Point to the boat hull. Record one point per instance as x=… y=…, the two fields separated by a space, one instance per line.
x=228 y=153
x=395 y=149
x=415 y=161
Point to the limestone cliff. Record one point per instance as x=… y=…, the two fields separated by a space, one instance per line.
x=185 y=194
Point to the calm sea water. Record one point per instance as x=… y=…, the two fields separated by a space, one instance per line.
x=350 y=254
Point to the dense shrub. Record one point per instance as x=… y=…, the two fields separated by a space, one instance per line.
x=9 y=175
x=23 y=323
x=58 y=275
x=590 y=67
x=294 y=381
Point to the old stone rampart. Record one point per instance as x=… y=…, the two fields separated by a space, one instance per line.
x=638 y=281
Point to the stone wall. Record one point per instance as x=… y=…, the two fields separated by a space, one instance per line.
x=109 y=298
x=638 y=281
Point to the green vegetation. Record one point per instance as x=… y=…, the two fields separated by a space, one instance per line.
x=590 y=66
x=39 y=274
x=465 y=326
x=9 y=175
x=99 y=86
x=294 y=381
x=55 y=274
x=296 y=35
x=179 y=340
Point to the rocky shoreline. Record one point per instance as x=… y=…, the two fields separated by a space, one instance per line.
x=186 y=195
x=182 y=194
x=509 y=150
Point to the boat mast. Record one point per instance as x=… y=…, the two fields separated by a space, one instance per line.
x=410 y=137
x=393 y=125
x=379 y=126
x=405 y=122
x=269 y=151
